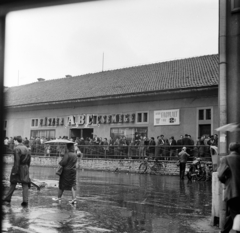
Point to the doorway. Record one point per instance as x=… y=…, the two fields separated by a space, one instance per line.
x=204 y=130
x=81 y=133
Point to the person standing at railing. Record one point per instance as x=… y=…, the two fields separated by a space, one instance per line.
x=188 y=143
x=141 y=147
x=179 y=144
x=146 y=146
x=152 y=145
x=183 y=157
x=116 y=148
x=111 y=147
x=172 y=147
x=105 y=147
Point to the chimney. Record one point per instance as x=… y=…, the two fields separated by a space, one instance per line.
x=68 y=76
x=40 y=79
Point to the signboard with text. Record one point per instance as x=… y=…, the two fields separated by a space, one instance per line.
x=167 y=117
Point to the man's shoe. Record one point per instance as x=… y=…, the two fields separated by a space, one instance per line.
x=56 y=199
x=24 y=204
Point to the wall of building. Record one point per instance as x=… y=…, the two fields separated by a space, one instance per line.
x=112 y=165
x=19 y=121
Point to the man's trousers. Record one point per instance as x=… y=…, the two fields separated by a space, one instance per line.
x=11 y=191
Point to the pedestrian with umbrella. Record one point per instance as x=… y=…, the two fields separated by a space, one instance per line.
x=67 y=176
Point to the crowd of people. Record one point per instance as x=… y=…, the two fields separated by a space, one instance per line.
x=121 y=146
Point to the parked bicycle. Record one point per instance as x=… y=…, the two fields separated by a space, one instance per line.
x=147 y=167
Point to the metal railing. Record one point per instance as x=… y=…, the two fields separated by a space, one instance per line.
x=164 y=152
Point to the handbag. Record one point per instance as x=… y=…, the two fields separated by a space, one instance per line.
x=59 y=170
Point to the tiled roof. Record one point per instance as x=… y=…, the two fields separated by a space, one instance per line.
x=172 y=75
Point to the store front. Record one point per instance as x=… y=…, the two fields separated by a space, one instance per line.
x=81 y=133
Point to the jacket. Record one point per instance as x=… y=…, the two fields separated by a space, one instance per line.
x=232 y=183
x=20 y=169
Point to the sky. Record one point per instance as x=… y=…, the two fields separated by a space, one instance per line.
x=91 y=37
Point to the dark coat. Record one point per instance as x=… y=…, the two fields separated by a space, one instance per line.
x=20 y=169
x=68 y=177
x=152 y=145
x=233 y=182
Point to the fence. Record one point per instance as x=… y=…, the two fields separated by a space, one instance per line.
x=164 y=152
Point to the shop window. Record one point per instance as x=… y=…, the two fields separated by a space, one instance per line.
x=34 y=122
x=129 y=133
x=49 y=134
x=142 y=117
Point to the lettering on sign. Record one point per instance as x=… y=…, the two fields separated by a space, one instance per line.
x=167 y=117
x=51 y=121
x=93 y=119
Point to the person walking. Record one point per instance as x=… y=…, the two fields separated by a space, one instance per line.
x=20 y=171
x=229 y=174
x=67 y=180
x=183 y=157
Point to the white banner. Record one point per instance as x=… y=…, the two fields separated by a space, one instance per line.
x=167 y=117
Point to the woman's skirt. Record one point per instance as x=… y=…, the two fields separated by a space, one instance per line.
x=68 y=179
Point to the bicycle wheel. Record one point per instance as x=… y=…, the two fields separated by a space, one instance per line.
x=142 y=168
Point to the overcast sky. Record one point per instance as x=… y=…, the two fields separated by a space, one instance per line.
x=70 y=39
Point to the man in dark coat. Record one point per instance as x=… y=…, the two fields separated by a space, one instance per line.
x=20 y=171
x=172 y=146
x=229 y=174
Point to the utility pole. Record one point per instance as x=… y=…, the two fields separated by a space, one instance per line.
x=18 y=77
x=103 y=62
x=229 y=82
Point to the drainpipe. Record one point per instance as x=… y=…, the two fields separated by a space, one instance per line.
x=222 y=98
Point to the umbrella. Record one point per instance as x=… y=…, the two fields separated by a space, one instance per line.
x=60 y=141
x=229 y=127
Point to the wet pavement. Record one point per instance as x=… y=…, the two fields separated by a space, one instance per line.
x=113 y=202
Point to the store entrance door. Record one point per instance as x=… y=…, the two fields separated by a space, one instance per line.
x=204 y=130
x=81 y=133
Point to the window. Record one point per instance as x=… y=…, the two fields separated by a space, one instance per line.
x=235 y=6
x=142 y=117
x=34 y=123
x=201 y=115
x=49 y=134
x=208 y=114
x=129 y=133
x=205 y=114
x=204 y=121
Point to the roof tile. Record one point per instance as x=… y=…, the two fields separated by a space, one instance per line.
x=185 y=73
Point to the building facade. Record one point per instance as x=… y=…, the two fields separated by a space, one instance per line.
x=171 y=98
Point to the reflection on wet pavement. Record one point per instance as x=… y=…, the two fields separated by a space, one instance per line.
x=113 y=202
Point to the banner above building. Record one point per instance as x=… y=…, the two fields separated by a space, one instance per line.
x=167 y=117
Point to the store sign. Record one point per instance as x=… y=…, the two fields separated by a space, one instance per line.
x=167 y=117
x=92 y=119
x=51 y=121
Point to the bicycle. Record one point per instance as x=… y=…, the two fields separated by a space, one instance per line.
x=145 y=167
